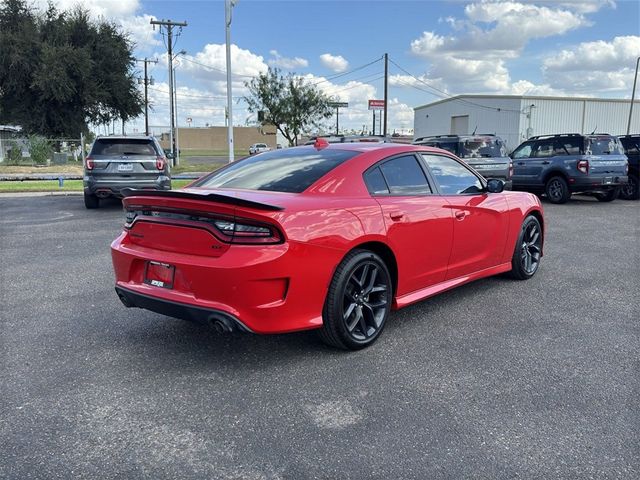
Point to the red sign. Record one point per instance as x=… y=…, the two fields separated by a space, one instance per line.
x=376 y=104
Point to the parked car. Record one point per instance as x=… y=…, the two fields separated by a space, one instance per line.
x=485 y=153
x=328 y=237
x=258 y=148
x=350 y=139
x=559 y=165
x=631 y=144
x=118 y=162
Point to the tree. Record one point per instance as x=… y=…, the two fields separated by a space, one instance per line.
x=60 y=71
x=289 y=103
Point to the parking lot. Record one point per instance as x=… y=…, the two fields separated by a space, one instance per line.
x=497 y=379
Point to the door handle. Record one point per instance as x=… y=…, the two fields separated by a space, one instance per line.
x=546 y=162
x=520 y=163
x=460 y=214
x=396 y=216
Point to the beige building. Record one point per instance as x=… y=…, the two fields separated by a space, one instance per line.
x=215 y=138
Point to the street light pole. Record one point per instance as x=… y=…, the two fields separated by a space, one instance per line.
x=228 y=6
x=633 y=96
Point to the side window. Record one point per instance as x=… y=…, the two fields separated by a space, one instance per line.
x=523 y=152
x=404 y=176
x=568 y=146
x=452 y=177
x=375 y=182
x=544 y=148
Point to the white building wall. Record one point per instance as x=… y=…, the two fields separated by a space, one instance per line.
x=436 y=119
x=549 y=116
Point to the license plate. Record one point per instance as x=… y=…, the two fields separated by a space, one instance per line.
x=607 y=180
x=125 y=167
x=159 y=274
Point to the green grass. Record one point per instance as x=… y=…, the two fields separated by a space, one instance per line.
x=52 y=185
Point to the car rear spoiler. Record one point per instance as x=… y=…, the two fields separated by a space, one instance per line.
x=207 y=197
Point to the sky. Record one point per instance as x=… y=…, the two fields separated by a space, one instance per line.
x=436 y=49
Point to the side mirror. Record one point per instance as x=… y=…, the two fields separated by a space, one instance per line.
x=169 y=155
x=495 y=185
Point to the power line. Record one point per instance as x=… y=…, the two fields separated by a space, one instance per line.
x=443 y=94
x=333 y=77
x=210 y=97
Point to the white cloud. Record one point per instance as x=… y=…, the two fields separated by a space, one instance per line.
x=337 y=63
x=287 y=63
x=594 y=66
x=511 y=26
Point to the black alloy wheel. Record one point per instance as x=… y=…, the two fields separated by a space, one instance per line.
x=528 y=251
x=358 y=302
x=557 y=190
x=631 y=190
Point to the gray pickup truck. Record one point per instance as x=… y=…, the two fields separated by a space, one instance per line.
x=118 y=162
x=485 y=153
x=559 y=165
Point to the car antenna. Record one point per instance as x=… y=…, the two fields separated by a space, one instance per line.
x=474 y=130
x=594 y=130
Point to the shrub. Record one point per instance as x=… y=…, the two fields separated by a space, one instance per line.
x=40 y=149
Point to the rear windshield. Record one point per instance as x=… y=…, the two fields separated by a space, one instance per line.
x=292 y=170
x=604 y=145
x=482 y=147
x=448 y=146
x=123 y=146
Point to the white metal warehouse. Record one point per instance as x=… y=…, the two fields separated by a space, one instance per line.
x=518 y=117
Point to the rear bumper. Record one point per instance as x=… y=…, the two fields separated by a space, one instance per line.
x=111 y=187
x=596 y=184
x=271 y=289
x=183 y=311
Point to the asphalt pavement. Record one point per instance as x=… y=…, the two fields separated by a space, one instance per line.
x=497 y=379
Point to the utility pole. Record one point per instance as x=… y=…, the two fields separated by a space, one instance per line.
x=633 y=96
x=386 y=91
x=169 y=26
x=147 y=81
x=228 y=6
x=373 y=131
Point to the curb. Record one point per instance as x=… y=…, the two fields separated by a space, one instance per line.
x=40 y=194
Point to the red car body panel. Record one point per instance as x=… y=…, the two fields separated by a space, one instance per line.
x=437 y=242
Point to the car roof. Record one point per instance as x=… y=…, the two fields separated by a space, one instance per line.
x=125 y=137
x=371 y=146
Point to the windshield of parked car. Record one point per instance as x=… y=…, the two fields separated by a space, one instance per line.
x=482 y=147
x=631 y=144
x=123 y=146
x=291 y=170
x=603 y=145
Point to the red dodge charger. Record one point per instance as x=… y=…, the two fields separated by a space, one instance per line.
x=323 y=236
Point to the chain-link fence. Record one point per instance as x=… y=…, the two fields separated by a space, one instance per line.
x=35 y=150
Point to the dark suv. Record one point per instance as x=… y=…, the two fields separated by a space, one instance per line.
x=118 y=162
x=486 y=153
x=559 y=165
x=631 y=144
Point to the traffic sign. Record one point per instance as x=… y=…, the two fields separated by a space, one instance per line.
x=338 y=104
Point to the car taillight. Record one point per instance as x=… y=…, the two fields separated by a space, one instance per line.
x=583 y=166
x=510 y=169
x=88 y=162
x=238 y=232
x=160 y=163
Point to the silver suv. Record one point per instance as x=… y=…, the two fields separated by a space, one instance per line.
x=486 y=153
x=118 y=162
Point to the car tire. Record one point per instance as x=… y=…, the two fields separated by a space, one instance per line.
x=358 y=302
x=609 y=196
x=528 y=251
x=631 y=191
x=557 y=190
x=91 y=201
